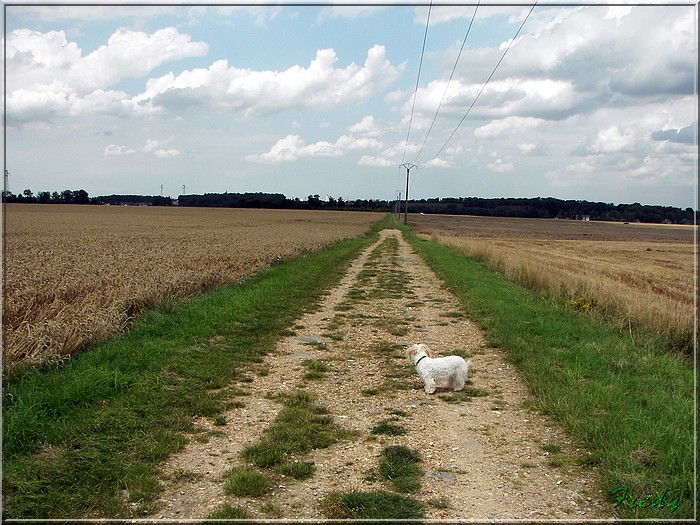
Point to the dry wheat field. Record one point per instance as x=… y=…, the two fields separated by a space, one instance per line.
x=75 y=274
x=641 y=273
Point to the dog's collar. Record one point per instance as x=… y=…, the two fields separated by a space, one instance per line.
x=420 y=359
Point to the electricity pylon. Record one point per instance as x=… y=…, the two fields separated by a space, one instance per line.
x=408 y=167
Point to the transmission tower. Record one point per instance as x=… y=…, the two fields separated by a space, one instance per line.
x=408 y=167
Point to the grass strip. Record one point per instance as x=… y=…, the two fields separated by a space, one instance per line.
x=631 y=406
x=300 y=427
x=83 y=440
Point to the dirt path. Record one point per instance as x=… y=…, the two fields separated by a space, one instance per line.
x=487 y=455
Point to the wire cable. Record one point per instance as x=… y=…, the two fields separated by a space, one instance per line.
x=415 y=93
x=485 y=83
x=448 y=83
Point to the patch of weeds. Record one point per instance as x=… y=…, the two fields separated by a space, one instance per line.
x=388 y=428
x=499 y=404
x=316 y=369
x=397 y=412
x=228 y=512
x=453 y=314
x=589 y=460
x=528 y=464
x=466 y=394
x=371 y=505
x=220 y=421
x=243 y=481
x=271 y=510
x=400 y=466
x=184 y=475
x=343 y=307
x=298 y=470
x=397 y=327
x=234 y=404
x=238 y=392
x=552 y=448
x=334 y=336
x=440 y=503
x=383 y=347
x=369 y=391
x=556 y=459
x=300 y=426
x=205 y=436
x=556 y=462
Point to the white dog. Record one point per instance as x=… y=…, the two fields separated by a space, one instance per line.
x=438 y=372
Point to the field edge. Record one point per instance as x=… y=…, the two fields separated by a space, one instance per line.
x=631 y=407
x=84 y=438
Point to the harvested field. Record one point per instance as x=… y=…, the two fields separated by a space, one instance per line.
x=76 y=274
x=641 y=273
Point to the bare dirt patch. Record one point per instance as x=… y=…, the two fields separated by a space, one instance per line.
x=487 y=453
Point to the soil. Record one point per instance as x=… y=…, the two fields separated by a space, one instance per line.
x=487 y=452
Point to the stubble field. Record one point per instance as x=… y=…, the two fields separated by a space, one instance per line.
x=642 y=274
x=76 y=274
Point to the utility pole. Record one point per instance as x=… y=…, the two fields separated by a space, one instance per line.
x=6 y=187
x=408 y=167
x=161 y=190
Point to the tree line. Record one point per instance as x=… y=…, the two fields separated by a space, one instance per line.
x=545 y=208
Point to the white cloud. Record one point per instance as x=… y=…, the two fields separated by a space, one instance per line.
x=611 y=140
x=590 y=55
x=320 y=86
x=152 y=146
x=292 y=147
x=118 y=151
x=508 y=127
x=526 y=147
x=165 y=153
x=438 y=163
x=368 y=127
x=35 y=58
x=47 y=76
x=376 y=161
x=498 y=166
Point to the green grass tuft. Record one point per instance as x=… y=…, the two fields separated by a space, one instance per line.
x=400 y=466
x=246 y=482
x=300 y=427
x=316 y=369
x=227 y=512
x=377 y=505
x=300 y=471
x=388 y=428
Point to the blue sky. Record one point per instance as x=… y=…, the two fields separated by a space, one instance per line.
x=590 y=102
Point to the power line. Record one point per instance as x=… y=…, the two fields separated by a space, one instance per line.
x=415 y=93
x=448 y=82
x=485 y=83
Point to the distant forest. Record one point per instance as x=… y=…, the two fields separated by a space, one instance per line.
x=545 y=208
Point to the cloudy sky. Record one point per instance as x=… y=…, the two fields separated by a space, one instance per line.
x=590 y=102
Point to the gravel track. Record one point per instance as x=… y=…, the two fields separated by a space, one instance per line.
x=486 y=456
